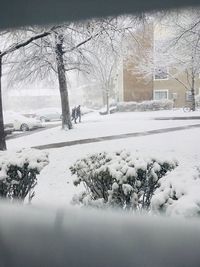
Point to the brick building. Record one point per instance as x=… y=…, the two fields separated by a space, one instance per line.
x=134 y=86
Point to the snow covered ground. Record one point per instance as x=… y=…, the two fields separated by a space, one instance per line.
x=95 y=125
x=55 y=185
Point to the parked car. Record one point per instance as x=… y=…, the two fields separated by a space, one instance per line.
x=30 y=115
x=48 y=114
x=8 y=128
x=22 y=123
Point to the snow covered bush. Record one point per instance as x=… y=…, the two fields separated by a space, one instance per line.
x=119 y=179
x=178 y=193
x=18 y=171
x=145 y=105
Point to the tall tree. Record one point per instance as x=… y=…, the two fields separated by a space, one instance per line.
x=67 y=50
x=8 y=51
x=176 y=50
x=103 y=71
x=66 y=119
x=2 y=133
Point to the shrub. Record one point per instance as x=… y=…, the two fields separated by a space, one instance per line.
x=119 y=179
x=18 y=171
x=145 y=105
x=178 y=193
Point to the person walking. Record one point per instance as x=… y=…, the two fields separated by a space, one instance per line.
x=74 y=114
x=78 y=113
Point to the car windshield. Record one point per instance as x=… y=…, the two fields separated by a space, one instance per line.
x=15 y=116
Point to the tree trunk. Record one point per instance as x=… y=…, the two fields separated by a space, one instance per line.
x=2 y=133
x=107 y=102
x=104 y=97
x=66 y=117
x=193 y=107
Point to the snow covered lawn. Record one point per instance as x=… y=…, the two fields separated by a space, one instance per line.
x=55 y=184
x=95 y=125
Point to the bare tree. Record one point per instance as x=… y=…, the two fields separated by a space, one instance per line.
x=9 y=50
x=177 y=53
x=66 y=50
x=106 y=56
x=2 y=133
x=66 y=119
x=186 y=42
x=103 y=71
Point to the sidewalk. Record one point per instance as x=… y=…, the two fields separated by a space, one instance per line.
x=115 y=137
x=179 y=118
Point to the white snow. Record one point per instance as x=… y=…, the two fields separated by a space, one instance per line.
x=55 y=183
x=95 y=125
x=127 y=188
x=184 y=185
x=34 y=158
x=115 y=186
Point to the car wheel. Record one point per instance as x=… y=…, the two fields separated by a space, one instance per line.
x=43 y=119
x=24 y=127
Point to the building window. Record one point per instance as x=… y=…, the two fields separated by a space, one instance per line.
x=160 y=73
x=188 y=96
x=160 y=94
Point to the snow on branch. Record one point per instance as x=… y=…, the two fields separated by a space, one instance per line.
x=28 y=41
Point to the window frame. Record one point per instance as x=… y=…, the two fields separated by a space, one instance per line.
x=161 y=90
x=161 y=79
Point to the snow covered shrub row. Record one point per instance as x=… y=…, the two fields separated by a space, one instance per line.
x=119 y=179
x=18 y=171
x=145 y=105
x=179 y=193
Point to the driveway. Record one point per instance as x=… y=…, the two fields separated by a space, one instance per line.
x=20 y=134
